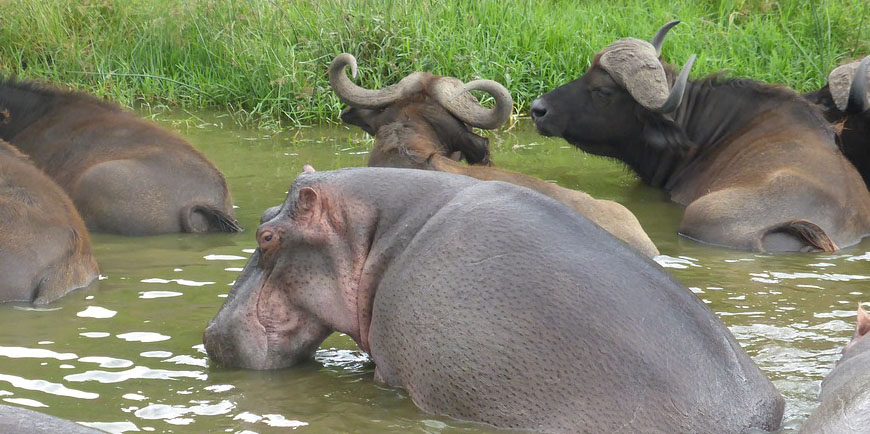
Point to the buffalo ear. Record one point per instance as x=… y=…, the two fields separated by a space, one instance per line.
x=363 y=118
x=662 y=133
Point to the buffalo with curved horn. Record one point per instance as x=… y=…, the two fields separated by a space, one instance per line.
x=424 y=118
x=735 y=152
x=846 y=103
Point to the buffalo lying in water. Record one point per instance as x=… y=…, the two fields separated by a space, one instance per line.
x=421 y=121
x=125 y=175
x=45 y=251
x=755 y=165
x=554 y=327
x=845 y=102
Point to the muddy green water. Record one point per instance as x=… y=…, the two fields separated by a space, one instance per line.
x=125 y=354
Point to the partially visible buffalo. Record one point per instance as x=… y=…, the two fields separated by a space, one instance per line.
x=425 y=118
x=487 y=302
x=845 y=102
x=756 y=166
x=44 y=247
x=124 y=174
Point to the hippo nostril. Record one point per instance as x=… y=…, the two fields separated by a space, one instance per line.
x=539 y=109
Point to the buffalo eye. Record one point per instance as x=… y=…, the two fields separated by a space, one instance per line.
x=601 y=96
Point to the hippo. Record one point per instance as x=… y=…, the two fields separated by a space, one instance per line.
x=845 y=394
x=124 y=174
x=45 y=251
x=24 y=421
x=486 y=302
x=418 y=124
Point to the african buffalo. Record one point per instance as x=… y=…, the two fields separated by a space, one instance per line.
x=756 y=165
x=846 y=103
x=553 y=327
x=423 y=119
x=124 y=174
x=44 y=247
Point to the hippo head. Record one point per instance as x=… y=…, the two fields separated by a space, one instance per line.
x=293 y=292
x=423 y=114
x=623 y=99
x=859 y=343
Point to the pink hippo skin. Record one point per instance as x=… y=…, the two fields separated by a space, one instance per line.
x=845 y=394
x=487 y=302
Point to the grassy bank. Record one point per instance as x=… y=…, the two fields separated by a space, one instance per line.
x=266 y=60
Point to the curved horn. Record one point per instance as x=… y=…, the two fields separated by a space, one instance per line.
x=858 y=90
x=468 y=110
x=660 y=36
x=676 y=95
x=356 y=96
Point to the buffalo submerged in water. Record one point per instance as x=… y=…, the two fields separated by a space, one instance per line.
x=481 y=315
x=124 y=174
x=45 y=251
x=424 y=119
x=756 y=165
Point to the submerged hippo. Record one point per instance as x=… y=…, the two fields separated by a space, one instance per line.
x=24 y=421
x=422 y=120
x=124 y=174
x=45 y=251
x=845 y=395
x=490 y=303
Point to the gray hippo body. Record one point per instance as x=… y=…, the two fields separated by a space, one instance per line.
x=487 y=302
x=845 y=394
x=23 y=421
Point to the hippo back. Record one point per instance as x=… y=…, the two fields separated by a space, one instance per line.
x=510 y=309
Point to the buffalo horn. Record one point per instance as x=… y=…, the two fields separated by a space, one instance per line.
x=468 y=110
x=676 y=95
x=356 y=96
x=660 y=35
x=858 y=90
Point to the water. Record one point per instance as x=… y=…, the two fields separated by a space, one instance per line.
x=125 y=354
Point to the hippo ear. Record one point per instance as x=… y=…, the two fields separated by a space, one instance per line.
x=308 y=169
x=308 y=202
x=863 y=322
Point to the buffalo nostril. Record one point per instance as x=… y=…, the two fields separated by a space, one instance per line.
x=539 y=109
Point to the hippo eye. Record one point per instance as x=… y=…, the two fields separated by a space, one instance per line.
x=268 y=238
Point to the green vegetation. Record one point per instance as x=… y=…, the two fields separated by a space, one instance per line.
x=266 y=60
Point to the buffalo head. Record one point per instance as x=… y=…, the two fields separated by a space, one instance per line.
x=624 y=100
x=421 y=115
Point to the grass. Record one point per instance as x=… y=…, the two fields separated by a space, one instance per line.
x=265 y=61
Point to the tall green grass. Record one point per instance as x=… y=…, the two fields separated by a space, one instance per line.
x=265 y=61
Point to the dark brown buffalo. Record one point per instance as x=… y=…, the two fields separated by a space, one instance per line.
x=419 y=126
x=125 y=175
x=756 y=166
x=44 y=247
x=846 y=103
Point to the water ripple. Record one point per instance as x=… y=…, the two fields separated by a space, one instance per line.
x=22 y=352
x=136 y=372
x=47 y=387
